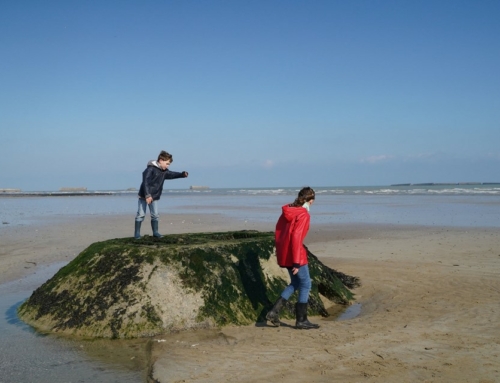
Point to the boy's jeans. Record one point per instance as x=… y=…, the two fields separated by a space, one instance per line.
x=141 y=210
x=300 y=281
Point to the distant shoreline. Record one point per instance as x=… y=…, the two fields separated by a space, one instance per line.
x=62 y=194
x=447 y=184
x=403 y=188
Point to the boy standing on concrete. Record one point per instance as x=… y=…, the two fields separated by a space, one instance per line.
x=151 y=189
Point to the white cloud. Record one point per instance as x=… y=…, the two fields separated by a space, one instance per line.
x=376 y=159
x=268 y=164
x=423 y=155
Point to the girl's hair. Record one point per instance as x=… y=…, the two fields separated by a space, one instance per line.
x=165 y=156
x=305 y=195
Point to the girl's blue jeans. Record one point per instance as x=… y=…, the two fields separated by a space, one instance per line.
x=141 y=210
x=300 y=281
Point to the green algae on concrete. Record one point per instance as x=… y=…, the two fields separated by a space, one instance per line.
x=127 y=288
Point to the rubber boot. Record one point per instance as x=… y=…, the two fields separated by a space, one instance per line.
x=273 y=316
x=301 y=314
x=137 y=234
x=154 y=226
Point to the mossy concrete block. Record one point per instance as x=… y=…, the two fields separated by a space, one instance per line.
x=127 y=288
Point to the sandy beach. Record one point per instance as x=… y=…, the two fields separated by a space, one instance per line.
x=429 y=305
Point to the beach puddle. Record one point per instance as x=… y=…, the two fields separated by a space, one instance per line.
x=31 y=356
x=350 y=312
x=341 y=313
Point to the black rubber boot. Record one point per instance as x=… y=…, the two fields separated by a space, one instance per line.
x=154 y=226
x=273 y=316
x=137 y=234
x=301 y=314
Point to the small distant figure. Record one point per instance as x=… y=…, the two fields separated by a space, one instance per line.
x=151 y=189
x=291 y=229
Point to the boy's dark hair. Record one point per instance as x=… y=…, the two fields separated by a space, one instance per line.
x=165 y=156
x=305 y=195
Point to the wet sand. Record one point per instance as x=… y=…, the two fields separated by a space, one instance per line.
x=429 y=302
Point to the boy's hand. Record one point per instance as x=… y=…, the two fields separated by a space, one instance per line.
x=149 y=200
x=185 y=174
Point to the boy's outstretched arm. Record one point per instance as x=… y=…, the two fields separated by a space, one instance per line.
x=170 y=175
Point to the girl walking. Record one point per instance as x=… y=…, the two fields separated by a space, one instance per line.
x=291 y=229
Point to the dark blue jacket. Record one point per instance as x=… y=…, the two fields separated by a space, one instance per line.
x=152 y=180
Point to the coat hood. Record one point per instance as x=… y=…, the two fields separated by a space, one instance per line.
x=292 y=212
x=154 y=163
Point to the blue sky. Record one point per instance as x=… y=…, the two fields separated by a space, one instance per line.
x=249 y=93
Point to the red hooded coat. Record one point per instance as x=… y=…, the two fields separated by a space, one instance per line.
x=291 y=229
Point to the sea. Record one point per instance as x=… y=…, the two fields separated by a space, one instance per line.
x=31 y=357
x=456 y=205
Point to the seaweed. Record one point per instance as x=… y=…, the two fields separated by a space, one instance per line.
x=105 y=291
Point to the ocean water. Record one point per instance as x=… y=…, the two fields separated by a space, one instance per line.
x=433 y=205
